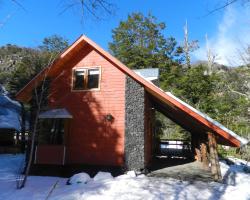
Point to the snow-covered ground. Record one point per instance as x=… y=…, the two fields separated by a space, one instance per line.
x=104 y=186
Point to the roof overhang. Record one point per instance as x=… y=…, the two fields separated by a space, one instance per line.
x=61 y=113
x=196 y=122
x=242 y=140
x=25 y=94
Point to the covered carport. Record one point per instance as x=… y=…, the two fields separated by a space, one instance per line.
x=10 y=124
x=206 y=133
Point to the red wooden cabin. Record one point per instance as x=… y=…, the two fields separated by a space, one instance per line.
x=101 y=112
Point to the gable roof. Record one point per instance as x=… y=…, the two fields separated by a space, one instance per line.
x=165 y=100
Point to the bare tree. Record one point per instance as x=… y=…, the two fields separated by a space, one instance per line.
x=244 y=54
x=39 y=98
x=188 y=47
x=211 y=57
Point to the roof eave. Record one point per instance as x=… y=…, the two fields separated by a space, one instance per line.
x=24 y=95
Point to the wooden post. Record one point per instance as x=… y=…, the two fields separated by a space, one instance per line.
x=204 y=155
x=195 y=140
x=214 y=159
x=198 y=154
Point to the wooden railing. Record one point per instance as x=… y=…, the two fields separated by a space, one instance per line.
x=175 y=148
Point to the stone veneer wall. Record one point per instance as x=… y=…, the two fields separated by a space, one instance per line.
x=134 y=125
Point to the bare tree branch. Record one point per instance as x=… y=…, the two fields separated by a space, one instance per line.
x=237 y=92
x=95 y=8
x=106 y=6
x=5 y=20
x=221 y=7
x=19 y=5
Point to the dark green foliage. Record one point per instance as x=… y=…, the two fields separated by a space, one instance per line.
x=139 y=43
x=167 y=129
x=54 y=44
x=28 y=62
x=224 y=95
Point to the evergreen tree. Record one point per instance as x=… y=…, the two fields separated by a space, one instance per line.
x=139 y=43
x=54 y=44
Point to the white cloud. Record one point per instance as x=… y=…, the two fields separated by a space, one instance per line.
x=233 y=33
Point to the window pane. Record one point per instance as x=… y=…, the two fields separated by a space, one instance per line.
x=51 y=131
x=79 y=79
x=93 y=78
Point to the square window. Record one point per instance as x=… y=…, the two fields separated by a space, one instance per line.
x=51 y=131
x=86 y=79
x=79 y=79
x=93 y=79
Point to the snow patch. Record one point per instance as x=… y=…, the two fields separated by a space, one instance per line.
x=125 y=187
x=79 y=178
x=131 y=173
x=100 y=176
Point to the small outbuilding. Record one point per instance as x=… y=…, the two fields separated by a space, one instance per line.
x=100 y=112
x=10 y=121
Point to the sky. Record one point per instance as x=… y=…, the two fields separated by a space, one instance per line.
x=227 y=29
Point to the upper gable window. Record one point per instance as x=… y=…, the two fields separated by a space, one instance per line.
x=86 y=78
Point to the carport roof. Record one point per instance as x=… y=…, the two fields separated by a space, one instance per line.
x=179 y=111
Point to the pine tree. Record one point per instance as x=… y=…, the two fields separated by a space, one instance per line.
x=139 y=43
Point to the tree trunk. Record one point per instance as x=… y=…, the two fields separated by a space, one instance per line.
x=33 y=136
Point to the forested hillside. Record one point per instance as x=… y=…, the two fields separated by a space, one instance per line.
x=10 y=58
x=18 y=65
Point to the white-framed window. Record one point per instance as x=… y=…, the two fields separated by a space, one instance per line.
x=86 y=78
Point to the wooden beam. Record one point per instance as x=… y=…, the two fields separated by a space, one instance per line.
x=214 y=159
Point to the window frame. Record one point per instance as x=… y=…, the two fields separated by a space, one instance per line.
x=86 y=80
x=48 y=141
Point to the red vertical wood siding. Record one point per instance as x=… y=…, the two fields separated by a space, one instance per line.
x=91 y=138
x=49 y=154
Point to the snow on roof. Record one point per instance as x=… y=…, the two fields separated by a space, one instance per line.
x=148 y=74
x=9 y=113
x=60 y=113
x=3 y=91
x=243 y=141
